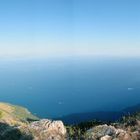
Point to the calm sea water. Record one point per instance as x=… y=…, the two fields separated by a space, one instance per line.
x=56 y=87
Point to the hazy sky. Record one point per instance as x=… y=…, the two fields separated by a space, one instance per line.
x=40 y=28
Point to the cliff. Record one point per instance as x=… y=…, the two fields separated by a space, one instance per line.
x=17 y=123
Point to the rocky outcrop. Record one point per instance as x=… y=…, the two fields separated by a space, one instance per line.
x=47 y=130
x=101 y=131
x=38 y=130
x=17 y=123
x=105 y=132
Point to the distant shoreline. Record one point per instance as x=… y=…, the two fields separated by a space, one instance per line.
x=105 y=116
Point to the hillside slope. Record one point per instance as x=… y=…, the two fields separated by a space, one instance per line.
x=13 y=114
x=17 y=123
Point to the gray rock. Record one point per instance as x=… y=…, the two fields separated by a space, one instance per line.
x=47 y=130
x=101 y=131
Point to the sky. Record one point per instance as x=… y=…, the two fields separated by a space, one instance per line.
x=42 y=28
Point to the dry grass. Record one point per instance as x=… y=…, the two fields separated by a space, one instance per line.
x=7 y=108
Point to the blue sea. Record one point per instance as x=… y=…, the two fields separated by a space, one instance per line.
x=54 y=87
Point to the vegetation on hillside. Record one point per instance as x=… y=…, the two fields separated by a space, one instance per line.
x=77 y=131
x=16 y=123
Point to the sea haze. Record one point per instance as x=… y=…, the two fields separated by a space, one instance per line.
x=56 y=87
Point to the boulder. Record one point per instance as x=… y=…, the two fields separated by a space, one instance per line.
x=101 y=131
x=47 y=130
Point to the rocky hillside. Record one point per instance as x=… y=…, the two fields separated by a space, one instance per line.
x=17 y=123
x=128 y=128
